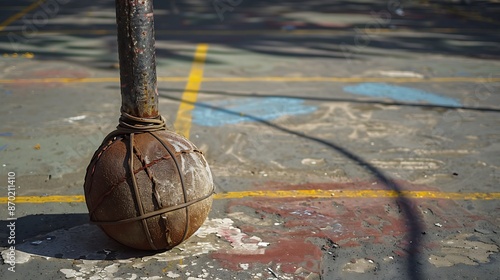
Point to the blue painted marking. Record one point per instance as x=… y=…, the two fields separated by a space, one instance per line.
x=3 y=147
x=401 y=94
x=233 y=111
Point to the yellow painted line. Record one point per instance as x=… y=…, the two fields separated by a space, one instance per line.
x=59 y=80
x=360 y=194
x=45 y=199
x=353 y=79
x=20 y=14
x=194 y=80
x=183 y=120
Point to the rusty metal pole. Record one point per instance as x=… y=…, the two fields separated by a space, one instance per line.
x=136 y=49
x=146 y=187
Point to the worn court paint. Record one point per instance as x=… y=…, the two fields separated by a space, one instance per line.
x=249 y=109
x=400 y=93
x=305 y=231
x=299 y=193
x=275 y=79
x=183 y=119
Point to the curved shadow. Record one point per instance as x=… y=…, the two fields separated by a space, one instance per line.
x=413 y=220
x=350 y=100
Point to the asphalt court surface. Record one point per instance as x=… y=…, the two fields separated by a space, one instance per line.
x=348 y=140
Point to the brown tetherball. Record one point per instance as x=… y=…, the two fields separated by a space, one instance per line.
x=173 y=195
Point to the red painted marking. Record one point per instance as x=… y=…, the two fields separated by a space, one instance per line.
x=286 y=251
x=349 y=222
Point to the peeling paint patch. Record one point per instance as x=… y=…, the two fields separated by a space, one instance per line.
x=171 y=274
x=21 y=257
x=401 y=74
x=231 y=240
x=460 y=249
x=90 y=270
x=75 y=118
x=360 y=266
x=408 y=163
x=401 y=93
x=241 y=243
x=247 y=219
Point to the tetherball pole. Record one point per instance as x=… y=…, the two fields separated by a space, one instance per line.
x=146 y=187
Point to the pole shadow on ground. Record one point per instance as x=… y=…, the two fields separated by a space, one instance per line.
x=410 y=215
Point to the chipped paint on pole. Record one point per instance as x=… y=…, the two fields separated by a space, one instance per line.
x=136 y=50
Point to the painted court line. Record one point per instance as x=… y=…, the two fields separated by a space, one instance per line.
x=335 y=194
x=353 y=79
x=194 y=80
x=182 y=123
x=63 y=80
x=20 y=14
x=359 y=194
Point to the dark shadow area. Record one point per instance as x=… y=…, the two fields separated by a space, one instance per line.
x=30 y=226
x=412 y=219
x=290 y=29
x=66 y=236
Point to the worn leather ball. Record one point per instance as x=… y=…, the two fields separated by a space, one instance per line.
x=170 y=200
